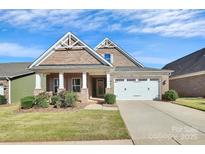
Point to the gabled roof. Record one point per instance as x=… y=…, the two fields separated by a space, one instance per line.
x=11 y=70
x=108 y=43
x=191 y=63
x=61 y=43
x=140 y=69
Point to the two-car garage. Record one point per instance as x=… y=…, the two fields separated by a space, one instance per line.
x=137 y=89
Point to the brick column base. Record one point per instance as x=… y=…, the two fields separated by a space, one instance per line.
x=37 y=91
x=60 y=90
x=84 y=95
x=109 y=90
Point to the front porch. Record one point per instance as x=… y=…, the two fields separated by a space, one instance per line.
x=86 y=84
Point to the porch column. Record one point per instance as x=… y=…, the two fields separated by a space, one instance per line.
x=108 y=80
x=38 y=81
x=61 y=80
x=84 y=80
x=84 y=90
x=38 y=89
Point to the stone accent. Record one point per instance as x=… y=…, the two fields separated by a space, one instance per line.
x=190 y=86
x=60 y=90
x=71 y=57
x=5 y=83
x=109 y=90
x=118 y=58
x=37 y=91
x=84 y=95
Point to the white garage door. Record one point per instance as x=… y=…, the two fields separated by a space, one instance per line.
x=136 y=89
x=1 y=90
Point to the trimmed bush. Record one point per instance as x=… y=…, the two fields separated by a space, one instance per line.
x=2 y=99
x=27 y=102
x=170 y=95
x=70 y=99
x=42 y=100
x=110 y=98
x=55 y=99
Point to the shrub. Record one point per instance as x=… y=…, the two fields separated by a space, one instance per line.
x=42 y=100
x=55 y=99
x=2 y=99
x=27 y=102
x=74 y=95
x=170 y=95
x=70 y=99
x=110 y=98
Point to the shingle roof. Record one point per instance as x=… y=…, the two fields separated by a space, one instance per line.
x=191 y=63
x=12 y=70
x=70 y=66
x=135 y=68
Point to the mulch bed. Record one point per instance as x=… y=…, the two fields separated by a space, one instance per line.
x=52 y=109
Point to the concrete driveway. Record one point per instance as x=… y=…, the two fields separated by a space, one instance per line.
x=153 y=122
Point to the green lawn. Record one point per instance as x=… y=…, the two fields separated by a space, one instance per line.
x=60 y=126
x=196 y=103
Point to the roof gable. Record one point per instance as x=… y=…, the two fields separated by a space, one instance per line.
x=109 y=44
x=70 y=42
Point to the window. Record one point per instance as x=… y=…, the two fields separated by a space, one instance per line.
x=107 y=57
x=131 y=80
x=142 y=80
x=154 y=79
x=76 y=85
x=119 y=80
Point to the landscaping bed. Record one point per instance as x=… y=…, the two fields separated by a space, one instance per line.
x=196 y=103
x=51 y=108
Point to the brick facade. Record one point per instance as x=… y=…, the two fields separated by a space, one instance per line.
x=80 y=56
x=118 y=58
x=190 y=86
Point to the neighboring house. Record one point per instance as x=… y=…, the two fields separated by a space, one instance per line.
x=188 y=78
x=16 y=81
x=70 y=64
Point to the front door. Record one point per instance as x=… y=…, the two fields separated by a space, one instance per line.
x=100 y=87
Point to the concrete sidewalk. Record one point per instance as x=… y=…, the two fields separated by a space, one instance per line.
x=100 y=107
x=96 y=142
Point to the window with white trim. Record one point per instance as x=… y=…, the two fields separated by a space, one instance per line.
x=76 y=84
x=107 y=57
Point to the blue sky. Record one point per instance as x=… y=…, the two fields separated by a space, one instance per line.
x=153 y=37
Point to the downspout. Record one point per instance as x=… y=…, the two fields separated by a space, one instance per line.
x=9 y=100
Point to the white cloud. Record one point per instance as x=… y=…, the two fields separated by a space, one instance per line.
x=179 y=23
x=9 y=49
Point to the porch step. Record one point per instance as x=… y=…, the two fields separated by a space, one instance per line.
x=96 y=100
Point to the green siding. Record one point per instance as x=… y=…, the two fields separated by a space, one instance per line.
x=24 y=86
